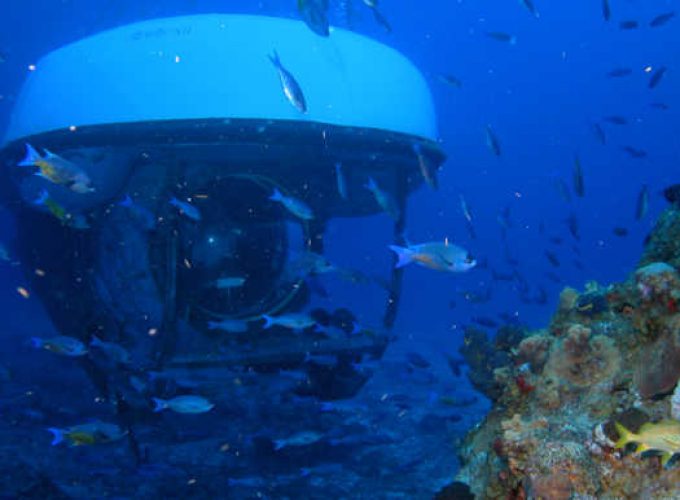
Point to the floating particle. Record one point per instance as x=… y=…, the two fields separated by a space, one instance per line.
x=23 y=292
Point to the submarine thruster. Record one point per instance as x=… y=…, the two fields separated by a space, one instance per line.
x=184 y=132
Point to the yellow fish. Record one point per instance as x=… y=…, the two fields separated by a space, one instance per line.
x=663 y=436
x=58 y=170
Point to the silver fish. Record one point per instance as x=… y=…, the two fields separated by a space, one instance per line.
x=290 y=86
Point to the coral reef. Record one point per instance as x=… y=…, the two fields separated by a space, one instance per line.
x=609 y=359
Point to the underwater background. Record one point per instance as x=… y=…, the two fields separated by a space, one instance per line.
x=559 y=125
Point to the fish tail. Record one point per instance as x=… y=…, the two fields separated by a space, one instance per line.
x=274 y=58
x=625 y=436
x=37 y=342
x=370 y=184
x=161 y=404
x=356 y=328
x=57 y=435
x=32 y=157
x=212 y=325
x=404 y=255
x=42 y=198
x=96 y=341
x=268 y=320
x=276 y=195
x=127 y=201
x=279 y=443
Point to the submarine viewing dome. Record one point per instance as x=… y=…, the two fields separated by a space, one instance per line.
x=185 y=129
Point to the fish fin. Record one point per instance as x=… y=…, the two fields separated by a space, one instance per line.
x=370 y=184
x=405 y=255
x=42 y=198
x=276 y=195
x=665 y=458
x=126 y=201
x=57 y=435
x=625 y=436
x=31 y=158
x=268 y=321
x=96 y=341
x=37 y=342
x=212 y=325
x=49 y=154
x=161 y=404
x=356 y=328
x=274 y=58
x=641 y=448
x=279 y=443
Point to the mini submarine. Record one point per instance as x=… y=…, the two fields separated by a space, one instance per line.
x=191 y=107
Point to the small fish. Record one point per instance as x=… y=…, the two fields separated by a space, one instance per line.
x=435 y=255
x=229 y=325
x=552 y=258
x=642 y=204
x=428 y=172
x=379 y=18
x=619 y=72
x=417 y=360
x=484 y=321
x=186 y=209
x=291 y=88
x=141 y=214
x=341 y=181
x=76 y=221
x=383 y=198
x=292 y=321
x=573 y=225
x=450 y=80
x=183 y=404
x=636 y=154
x=229 y=282
x=672 y=194
x=616 y=120
x=661 y=19
x=499 y=276
x=606 y=10
x=87 y=434
x=660 y=105
x=529 y=4
x=628 y=25
x=477 y=297
x=295 y=206
x=577 y=178
x=599 y=134
x=300 y=439
x=503 y=218
x=114 y=351
x=63 y=345
x=455 y=364
x=315 y=15
x=620 y=231
x=502 y=37
x=655 y=79
x=465 y=209
x=310 y=263
x=58 y=170
x=662 y=436
x=492 y=141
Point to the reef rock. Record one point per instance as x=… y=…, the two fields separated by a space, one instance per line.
x=611 y=355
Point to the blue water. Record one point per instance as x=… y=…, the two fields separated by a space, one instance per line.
x=541 y=96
